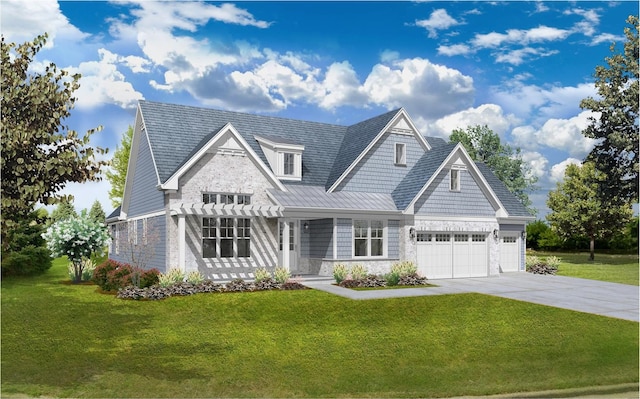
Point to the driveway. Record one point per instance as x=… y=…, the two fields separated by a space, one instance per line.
x=620 y=301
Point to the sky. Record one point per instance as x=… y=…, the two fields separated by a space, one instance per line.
x=519 y=67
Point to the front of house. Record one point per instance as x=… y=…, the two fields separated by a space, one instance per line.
x=226 y=193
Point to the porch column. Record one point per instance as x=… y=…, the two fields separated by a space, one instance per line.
x=286 y=251
x=182 y=243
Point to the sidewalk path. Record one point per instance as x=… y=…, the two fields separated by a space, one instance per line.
x=590 y=296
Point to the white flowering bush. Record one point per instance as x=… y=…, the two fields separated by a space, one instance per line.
x=77 y=238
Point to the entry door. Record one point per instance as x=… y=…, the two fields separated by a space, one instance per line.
x=509 y=253
x=293 y=244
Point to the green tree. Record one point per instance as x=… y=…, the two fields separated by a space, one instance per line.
x=534 y=233
x=96 y=213
x=64 y=210
x=119 y=163
x=483 y=145
x=40 y=155
x=616 y=127
x=578 y=210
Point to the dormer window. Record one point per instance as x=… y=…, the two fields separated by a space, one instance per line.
x=284 y=157
x=289 y=164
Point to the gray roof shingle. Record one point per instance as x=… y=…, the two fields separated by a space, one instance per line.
x=316 y=197
x=510 y=202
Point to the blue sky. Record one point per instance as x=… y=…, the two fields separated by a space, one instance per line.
x=519 y=67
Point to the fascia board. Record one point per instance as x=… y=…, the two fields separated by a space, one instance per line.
x=416 y=133
x=275 y=146
x=172 y=182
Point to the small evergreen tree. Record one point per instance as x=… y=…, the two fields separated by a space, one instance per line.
x=64 y=210
x=96 y=213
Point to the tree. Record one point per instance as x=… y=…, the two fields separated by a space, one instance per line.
x=483 y=145
x=119 y=163
x=578 y=210
x=40 y=155
x=77 y=238
x=96 y=213
x=616 y=154
x=64 y=210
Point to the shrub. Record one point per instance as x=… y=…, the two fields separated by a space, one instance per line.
x=88 y=267
x=182 y=289
x=349 y=283
x=358 y=272
x=262 y=274
x=27 y=261
x=195 y=277
x=292 y=285
x=412 y=279
x=265 y=284
x=119 y=277
x=174 y=276
x=372 y=281
x=536 y=265
x=405 y=268
x=281 y=275
x=106 y=277
x=392 y=278
x=149 y=278
x=340 y=272
x=208 y=286
x=237 y=285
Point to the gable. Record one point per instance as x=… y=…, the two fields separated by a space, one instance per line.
x=377 y=171
x=440 y=200
x=364 y=137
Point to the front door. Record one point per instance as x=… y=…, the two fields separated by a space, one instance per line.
x=293 y=244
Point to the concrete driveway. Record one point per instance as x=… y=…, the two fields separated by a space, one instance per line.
x=620 y=301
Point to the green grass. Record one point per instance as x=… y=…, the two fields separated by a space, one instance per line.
x=60 y=340
x=613 y=268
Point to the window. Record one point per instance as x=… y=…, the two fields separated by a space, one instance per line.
x=509 y=239
x=292 y=245
x=423 y=237
x=244 y=200
x=368 y=238
x=208 y=198
x=227 y=199
x=133 y=232
x=443 y=237
x=289 y=164
x=226 y=238
x=400 y=154
x=208 y=237
x=454 y=184
x=478 y=237
x=461 y=237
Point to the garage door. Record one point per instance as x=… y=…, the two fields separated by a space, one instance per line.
x=452 y=255
x=509 y=253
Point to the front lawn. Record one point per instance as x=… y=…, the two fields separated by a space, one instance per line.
x=613 y=268
x=60 y=340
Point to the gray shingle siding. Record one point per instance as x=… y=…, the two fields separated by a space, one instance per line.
x=154 y=251
x=439 y=200
x=321 y=232
x=510 y=202
x=145 y=197
x=393 y=242
x=377 y=173
x=344 y=239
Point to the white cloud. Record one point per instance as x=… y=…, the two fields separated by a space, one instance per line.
x=342 y=87
x=423 y=88
x=566 y=134
x=102 y=83
x=557 y=170
x=607 y=38
x=22 y=21
x=520 y=36
x=491 y=115
x=537 y=162
x=438 y=20
x=455 y=49
x=542 y=103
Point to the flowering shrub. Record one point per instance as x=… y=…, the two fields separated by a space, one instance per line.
x=111 y=276
x=195 y=277
x=77 y=238
x=262 y=274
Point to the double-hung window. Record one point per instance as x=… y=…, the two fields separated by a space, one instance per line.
x=454 y=182
x=368 y=238
x=289 y=164
x=226 y=237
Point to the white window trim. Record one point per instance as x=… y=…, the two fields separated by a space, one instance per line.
x=403 y=158
x=385 y=236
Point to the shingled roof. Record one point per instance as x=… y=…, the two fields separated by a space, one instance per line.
x=511 y=203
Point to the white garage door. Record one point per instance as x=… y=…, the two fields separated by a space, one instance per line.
x=509 y=253
x=452 y=255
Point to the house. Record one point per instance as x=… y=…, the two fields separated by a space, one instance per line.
x=226 y=192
